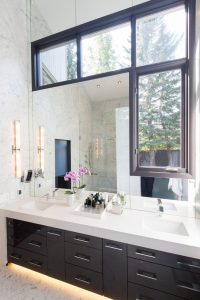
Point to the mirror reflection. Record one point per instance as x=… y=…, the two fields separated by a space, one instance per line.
x=87 y=125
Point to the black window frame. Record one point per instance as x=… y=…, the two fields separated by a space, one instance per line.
x=153 y=69
x=187 y=65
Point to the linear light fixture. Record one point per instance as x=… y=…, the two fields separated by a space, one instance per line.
x=41 y=148
x=16 y=149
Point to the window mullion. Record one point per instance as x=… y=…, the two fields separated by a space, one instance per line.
x=78 y=42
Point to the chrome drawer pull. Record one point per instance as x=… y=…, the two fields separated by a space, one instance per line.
x=79 y=239
x=188 y=286
x=53 y=233
x=145 y=253
x=147 y=275
x=113 y=247
x=36 y=264
x=82 y=280
x=15 y=257
x=35 y=244
x=82 y=257
x=182 y=263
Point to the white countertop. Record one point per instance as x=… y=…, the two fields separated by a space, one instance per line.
x=130 y=227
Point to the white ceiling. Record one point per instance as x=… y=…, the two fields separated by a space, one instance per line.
x=107 y=88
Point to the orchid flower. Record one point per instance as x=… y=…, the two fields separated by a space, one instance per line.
x=84 y=171
x=73 y=176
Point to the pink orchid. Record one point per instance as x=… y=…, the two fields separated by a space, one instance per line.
x=73 y=176
x=84 y=171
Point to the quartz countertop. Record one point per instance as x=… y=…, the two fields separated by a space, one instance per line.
x=130 y=227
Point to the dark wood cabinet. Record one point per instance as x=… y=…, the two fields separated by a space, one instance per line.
x=83 y=239
x=149 y=274
x=139 y=292
x=56 y=253
x=83 y=256
x=107 y=267
x=115 y=269
x=165 y=259
x=84 y=278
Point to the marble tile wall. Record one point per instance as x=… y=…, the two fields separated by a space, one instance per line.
x=14 y=101
x=39 y=27
x=57 y=110
x=104 y=144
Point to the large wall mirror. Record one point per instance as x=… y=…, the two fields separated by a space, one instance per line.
x=87 y=124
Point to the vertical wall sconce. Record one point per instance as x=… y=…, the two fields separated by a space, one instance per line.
x=41 y=148
x=99 y=148
x=16 y=149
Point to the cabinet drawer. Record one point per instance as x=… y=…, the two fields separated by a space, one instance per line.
x=35 y=243
x=187 y=263
x=166 y=259
x=55 y=233
x=36 y=262
x=16 y=255
x=149 y=274
x=179 y=282
x=186 y=284
x=150 y=255
x=82 y=239
x=84 y=278
x=82 y=256
x=27 y=259
x=138 y=292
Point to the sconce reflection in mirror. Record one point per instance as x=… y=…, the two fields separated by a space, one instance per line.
x=38 y=173
x=16 y=149
x=99 y=148
x=41 y=149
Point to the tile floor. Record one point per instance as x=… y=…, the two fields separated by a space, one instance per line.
x=18 y=283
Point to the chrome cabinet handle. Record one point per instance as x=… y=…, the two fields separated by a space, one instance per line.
x=53 y=233
x=145 y=253
x=182 y=263
x=147 y=275
x=82 y=257
x=78 y=278
x=15 y=256
x=80 y=239
x=35 y=263
x=113 y=247
x=35 y=244
x=188 y=286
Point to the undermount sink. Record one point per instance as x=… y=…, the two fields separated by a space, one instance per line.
x=36 y=205
x=167 y=226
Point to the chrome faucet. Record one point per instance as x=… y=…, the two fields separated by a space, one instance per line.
x=54 y=192
x=160 y=205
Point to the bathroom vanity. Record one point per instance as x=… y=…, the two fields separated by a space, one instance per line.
x=109 y=267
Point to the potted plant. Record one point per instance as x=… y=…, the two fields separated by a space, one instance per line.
x=82 y=171
x=70 y=194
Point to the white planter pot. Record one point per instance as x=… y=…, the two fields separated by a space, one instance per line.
x=80 y=193
x=70 y=199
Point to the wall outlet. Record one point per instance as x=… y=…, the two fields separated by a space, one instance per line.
x=19 y=192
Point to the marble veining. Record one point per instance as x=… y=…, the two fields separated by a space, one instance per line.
x=21 y=284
